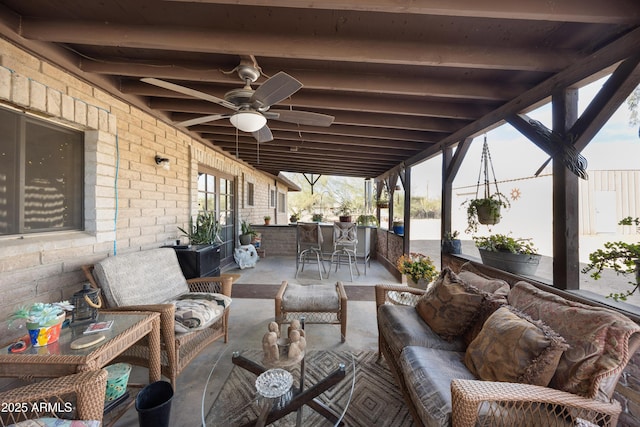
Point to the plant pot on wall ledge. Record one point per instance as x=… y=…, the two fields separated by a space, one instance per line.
x=521 y=264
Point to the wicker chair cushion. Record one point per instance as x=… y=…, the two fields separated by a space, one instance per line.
x=138 y=278
x=450 y=306
x=427 y=373
x=401 y=326
x=302 y=298
x=598 y=339
x=512 y=347
x=56 y=422
x=198 y=310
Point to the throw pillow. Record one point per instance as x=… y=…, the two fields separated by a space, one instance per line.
x=598 y=339
x=475 y=277
x=450 y=306
x=198 y=310
x=513 y=347
x=497 y=288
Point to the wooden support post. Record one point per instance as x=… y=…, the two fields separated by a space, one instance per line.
x=566 y=260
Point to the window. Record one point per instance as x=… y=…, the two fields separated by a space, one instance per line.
x=272 y=199
x=41 y=175
x=250 y=193
x=281 y=202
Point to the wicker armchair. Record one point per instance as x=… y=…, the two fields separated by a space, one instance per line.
x=85 y=391
x=177 y=349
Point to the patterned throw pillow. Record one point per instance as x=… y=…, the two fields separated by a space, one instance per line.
x=450 y=306
x=598 y=339
x=513 y=347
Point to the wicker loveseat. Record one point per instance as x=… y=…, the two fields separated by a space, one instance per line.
x=152 y=280
x=519 y=356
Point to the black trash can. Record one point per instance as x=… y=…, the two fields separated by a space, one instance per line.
x=153 y=404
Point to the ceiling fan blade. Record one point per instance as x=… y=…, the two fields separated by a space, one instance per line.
x=263 y=135
x=187 y=91
x=203 y=119
x=279 y=87
x=304 y=118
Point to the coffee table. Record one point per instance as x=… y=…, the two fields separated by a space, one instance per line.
x=59 y=359
x=239 y=404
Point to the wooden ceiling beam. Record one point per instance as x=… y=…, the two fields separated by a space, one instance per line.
x=610 y=12
x=362 y=143
x=402 y=83
x=312 y=47
x=413 y=106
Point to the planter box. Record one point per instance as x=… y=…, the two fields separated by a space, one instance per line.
x=199 y=260
x=522 y=264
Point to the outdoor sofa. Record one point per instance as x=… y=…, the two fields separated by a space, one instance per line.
x=472 y=350
x=193 y=313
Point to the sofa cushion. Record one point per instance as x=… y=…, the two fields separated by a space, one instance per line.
x=198 y=310
x=513 y=347
x=450 y=306
x=427 y=373
x=598 y=340
x=140 y=278
x=401 y=326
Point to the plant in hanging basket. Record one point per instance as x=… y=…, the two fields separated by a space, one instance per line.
x=485 y=211
x=621 y=257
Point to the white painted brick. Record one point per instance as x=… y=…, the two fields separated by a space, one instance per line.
x=80 y=115
x=92 y=117
x=38 y=96
x=20 y=89
x=68 y=104
x=54 y=102
x=5 y=83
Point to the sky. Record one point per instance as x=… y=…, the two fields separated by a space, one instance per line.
x=514 y=156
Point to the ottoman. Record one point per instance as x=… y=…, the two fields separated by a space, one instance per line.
x=316 y=303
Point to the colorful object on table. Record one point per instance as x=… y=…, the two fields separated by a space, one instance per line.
x=117 y=378
x=48 y=333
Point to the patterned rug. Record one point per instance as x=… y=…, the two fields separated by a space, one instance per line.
x=376 y=399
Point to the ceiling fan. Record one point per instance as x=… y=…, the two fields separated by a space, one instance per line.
x=251 y=107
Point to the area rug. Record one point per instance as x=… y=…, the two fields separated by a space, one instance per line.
x=246 y=290
x=375 y=401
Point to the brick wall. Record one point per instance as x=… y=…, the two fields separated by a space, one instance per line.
x=119 y=138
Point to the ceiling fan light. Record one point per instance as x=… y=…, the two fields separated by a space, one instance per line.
x=248 y=121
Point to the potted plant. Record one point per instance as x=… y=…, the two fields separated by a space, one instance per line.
x=486 y=210
x=204 y=230
x=246 y=233
x=451 y=244
x=316 y=217
x=418 y=268
x=398 y=227
x=515 y=255
x=622 y=257
x=43 y=321
x=344 y=211
x=367 y=220
x=267 y=220
x=295 y=217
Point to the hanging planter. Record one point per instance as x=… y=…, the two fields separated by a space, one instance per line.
x=485 y=210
